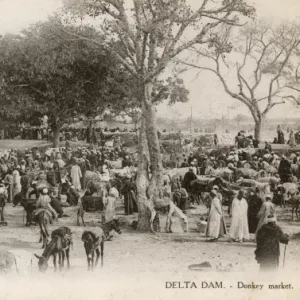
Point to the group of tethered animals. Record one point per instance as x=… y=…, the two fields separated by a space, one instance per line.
x=62 y=241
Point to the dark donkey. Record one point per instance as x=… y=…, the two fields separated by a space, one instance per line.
x=28 y=207
x=61 y=240
x=2 y=204
x=92 y=240
x=43 y=218
x=110 y=226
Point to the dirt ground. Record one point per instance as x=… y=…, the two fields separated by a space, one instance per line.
x=137 y=251
x=134 y=262
x=138 y=265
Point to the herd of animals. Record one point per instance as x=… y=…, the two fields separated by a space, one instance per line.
x=229 y=180
x=257 y=172
x=59 y=248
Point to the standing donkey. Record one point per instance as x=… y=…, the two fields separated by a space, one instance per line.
x=61 y=240
x=93 y=241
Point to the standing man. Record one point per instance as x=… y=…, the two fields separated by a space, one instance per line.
x=267 y=250
x=280 y=135
x=215 y=224
x=254 y=205
x=239 y=230
x=75 y=174
x=266 y=209
x=9 y=181
x=188 y=178
x=284 y=169
x=129 y=193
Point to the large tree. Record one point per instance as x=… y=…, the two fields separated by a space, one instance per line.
x=42 y=72
x=152 y=33
x=261 y=55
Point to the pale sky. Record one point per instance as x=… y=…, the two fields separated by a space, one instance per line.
x=207 y=96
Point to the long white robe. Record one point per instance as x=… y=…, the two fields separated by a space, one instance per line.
x=239 y=229
x=105 y=174
x=16 y=183
x=109 y=204
x=75 y=176
x=214 y=219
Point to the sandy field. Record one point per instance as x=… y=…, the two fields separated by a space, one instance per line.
x=136 y=263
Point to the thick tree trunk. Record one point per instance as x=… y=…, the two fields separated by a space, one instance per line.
x=153 y=146
x=257 y=130
x=56 y=133
x=142 y=181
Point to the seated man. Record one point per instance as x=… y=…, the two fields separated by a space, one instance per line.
x=44 y=202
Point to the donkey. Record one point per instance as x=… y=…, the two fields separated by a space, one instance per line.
x=92 y=242
x=58 y=246
x=2 y=204
x=110 y=226
x=64 y=232
x=7 y=260
x=43 y=218
x=173 y=209
x=28 y=207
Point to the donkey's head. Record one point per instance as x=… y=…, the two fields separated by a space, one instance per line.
x=184 y=223
x=42 y=263
x=115 y=225
x=17 y=199
x=90 y=243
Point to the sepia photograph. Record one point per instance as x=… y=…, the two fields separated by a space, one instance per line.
x=149 y=149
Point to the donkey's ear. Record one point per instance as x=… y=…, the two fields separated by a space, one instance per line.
x=37 y=256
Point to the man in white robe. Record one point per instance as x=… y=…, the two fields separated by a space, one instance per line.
x=239 y=229
x=76 y=176
x=215 y=224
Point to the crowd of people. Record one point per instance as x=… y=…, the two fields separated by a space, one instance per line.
x=293 y=139
x=57 y=177
x=250 y=212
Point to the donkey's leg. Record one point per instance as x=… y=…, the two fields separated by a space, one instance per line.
x=170 y=225
x=87 y=258
x=97 y=256
x=68 y=257
x=59 y=260
x=93 y=259
x=78 y=224
x=63 y=259
x=41 y=232
x=82 y=218
x=167 y=223
x=27 y=219
x=88 y=262
x=102 y=251
x=54 y=262
x=1 y=213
